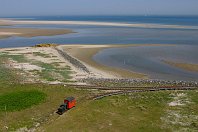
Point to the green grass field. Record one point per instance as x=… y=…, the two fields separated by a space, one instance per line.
x=20 y=100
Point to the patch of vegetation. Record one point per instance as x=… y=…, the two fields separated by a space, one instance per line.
x=51 y=72
x=41 y=54
x=20 y=100
x=13 y=50
x=183 y=115
x=7 y=75
x=56 y=60
x=18 y=58
x=56 y=64
x=46 y=45
x=46 y=75
x=65 y=73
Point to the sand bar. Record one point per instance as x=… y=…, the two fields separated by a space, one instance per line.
x=91 y=23
x=5 y=23
x=185 y=66
x=8 y=33
x=30 y=32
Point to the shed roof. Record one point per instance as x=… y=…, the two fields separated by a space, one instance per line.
x=70 y=98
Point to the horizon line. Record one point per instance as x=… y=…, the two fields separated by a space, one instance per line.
x=146 y=15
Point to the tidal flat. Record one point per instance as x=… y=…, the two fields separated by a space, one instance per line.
x=31 y=32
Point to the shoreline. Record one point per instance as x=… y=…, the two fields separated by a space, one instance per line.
x=84 y=53
x=93 y=23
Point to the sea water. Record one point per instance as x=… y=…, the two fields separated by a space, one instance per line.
x=109 y=34
x=150 y=60
x=172 y=20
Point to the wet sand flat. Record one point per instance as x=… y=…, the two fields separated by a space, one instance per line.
x=185 y=66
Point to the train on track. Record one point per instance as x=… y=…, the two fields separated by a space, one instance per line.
x=69 y=103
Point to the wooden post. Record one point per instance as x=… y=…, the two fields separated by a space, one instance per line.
x=6 y=117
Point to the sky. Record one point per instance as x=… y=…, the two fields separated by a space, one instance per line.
x=97 y=7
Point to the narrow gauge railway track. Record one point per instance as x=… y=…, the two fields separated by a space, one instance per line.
x=125 y=90
x=100 y=96
x=132 y=87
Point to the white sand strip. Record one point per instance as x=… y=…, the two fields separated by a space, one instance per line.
x=8 y=33
x=103 y=24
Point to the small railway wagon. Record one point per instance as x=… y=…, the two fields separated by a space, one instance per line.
x=70 y=101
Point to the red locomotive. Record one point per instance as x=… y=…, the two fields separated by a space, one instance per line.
x=69 y=103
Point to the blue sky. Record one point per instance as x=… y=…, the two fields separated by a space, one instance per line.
x=98 y=7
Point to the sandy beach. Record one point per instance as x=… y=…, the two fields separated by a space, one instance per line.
x=91 y=23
